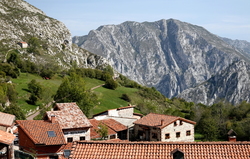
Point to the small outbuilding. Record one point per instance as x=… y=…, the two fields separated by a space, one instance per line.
x=23 y=44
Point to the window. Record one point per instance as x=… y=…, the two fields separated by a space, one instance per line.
x=178 y=154
x=82 y=138
x=167 y=136
x=66 y=153
x=175 y=123
x=51 y=133
x=188 y=133
x=181 y=122
x=178 y=134
x=154 y=135
x=70 y=139
x=112 y=136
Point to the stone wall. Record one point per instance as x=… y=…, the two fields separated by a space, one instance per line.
x=172 y=129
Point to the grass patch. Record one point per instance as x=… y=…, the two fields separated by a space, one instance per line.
x=111 y=99
x=90 y=82
x=21 y=84
x=108 y=98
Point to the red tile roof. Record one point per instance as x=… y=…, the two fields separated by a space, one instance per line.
x=130 y=106
x=115 y=125
x=93 y=133
x=69 y=115
x=6 y=119
x=37 y=130
x=6 y=138
x=160 y=150
x=154 y=120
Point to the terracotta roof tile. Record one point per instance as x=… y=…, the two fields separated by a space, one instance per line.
x=6 y=138
x=115 y=125
x=69 y=115
x=6 y=119
x=160 y=150
x=37 y=130
x=93 y=133
x=155 y=120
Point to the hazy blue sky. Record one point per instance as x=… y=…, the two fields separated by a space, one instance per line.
x=226 y=18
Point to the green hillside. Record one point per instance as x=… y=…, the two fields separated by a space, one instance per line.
x=107 y=98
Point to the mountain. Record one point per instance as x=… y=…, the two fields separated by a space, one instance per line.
x=170 y=55
x=231 y=85
x=21 y=21
x=241 y=45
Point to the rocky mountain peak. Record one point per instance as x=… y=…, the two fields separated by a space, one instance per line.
x=167 y=54
x=21 y=22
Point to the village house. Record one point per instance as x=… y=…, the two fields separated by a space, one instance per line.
x=6 y=145
x=119 y=128
x=124 y=115
x=75 y=125
x=115 y=129
x=22 y=44
x=6 y=121
x=159 y=127
x=160 y=150
x=43 y=139
x=111 y=134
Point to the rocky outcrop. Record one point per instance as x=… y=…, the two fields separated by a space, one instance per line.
x=168 y=54
x=20 y=21
x=231 y=85
x=241 y=45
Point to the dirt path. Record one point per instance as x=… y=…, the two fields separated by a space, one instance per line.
x=31 y=117
x=97 y=87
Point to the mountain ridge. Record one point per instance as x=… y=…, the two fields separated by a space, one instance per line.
x=167 y=54
x=21 y=21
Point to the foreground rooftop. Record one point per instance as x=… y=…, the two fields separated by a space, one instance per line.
x=160 y=150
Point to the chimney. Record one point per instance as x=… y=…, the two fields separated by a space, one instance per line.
x=53 y=118
x=232 y=135
x=232 y=138
x=162 y=122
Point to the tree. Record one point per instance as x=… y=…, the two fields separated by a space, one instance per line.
x=109 y=70
x=35 y=88
x=111 y=84
x=208 y=127
x=73 y=89
x=15 y=110
x=102 y=130
x=34 y=45
x=126 y=97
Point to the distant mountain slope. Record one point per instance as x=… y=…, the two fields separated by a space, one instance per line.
x=21 y=21
x=231 y=84
x=168 y=54
x=241 y=45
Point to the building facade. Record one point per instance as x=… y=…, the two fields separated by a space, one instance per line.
x=158 y=127
x=75 y=125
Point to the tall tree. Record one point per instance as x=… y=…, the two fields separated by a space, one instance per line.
x=102 y=130
x=73 y=89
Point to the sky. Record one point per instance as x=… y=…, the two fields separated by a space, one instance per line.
x=225 y=18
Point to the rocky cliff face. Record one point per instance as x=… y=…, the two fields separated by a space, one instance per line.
x=168 y=54
x=231 y=84
x=241 y=45
x=20 y=21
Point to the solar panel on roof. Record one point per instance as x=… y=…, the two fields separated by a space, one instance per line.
x=66 y=153
x=51 y=134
